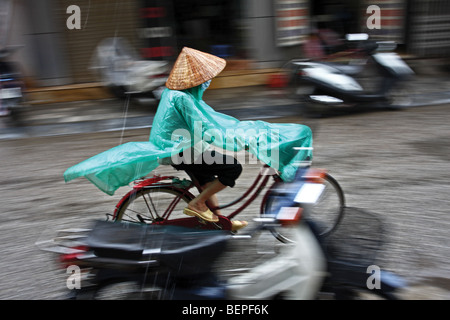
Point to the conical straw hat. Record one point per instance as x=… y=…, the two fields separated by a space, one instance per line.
x=193 y=68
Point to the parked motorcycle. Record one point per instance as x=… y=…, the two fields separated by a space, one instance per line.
x=324 y=86
x=121 y=70
x=171 y=262
x=11 y=85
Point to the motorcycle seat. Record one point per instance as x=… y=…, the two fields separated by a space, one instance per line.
x=189 y=252
x=347 y=69
x=117 y=240
x=186 y=251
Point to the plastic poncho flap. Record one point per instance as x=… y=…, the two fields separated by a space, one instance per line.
x=183 y=120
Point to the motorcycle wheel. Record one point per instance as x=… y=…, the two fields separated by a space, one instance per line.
x=118 y=91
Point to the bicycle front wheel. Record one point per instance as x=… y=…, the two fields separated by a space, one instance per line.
x=152 y=204
x=325 y=214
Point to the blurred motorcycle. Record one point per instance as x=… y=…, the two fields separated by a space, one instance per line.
x=326 y=86
x=171 y=262
x=11 y=85
x=120 y=69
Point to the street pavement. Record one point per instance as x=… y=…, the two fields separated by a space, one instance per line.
x=392 y=163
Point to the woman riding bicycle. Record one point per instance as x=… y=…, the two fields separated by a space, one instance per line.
x=192 y=74
x=184 y=126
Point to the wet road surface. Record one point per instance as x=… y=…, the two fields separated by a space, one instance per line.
x=393 y=163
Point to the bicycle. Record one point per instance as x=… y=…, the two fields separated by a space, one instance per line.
x=161 y=200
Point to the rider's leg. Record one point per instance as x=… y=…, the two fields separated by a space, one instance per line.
x=207 y=196
x=213 y=201
x=227 y=169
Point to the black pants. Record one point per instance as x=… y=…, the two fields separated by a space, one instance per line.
x=213 y=165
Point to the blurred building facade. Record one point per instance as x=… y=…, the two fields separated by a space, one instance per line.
x=265 y=32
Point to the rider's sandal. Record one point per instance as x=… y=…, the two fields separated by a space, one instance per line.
x=237 y=225
x=206 y=215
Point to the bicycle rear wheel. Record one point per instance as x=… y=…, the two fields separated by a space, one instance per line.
x=326 y=213
x=152 y=204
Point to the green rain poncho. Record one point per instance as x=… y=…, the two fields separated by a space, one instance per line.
x=183 y=120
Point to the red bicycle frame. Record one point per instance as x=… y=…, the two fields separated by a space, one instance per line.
x=224 y=222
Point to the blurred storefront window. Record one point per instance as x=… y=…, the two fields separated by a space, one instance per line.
x=265 y=32
x=429 y=28
x=292 y=21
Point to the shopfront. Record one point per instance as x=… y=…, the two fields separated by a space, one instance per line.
x=265 y=32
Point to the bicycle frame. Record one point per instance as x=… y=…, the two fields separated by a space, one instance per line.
x=258 y=185
x=183 y=188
